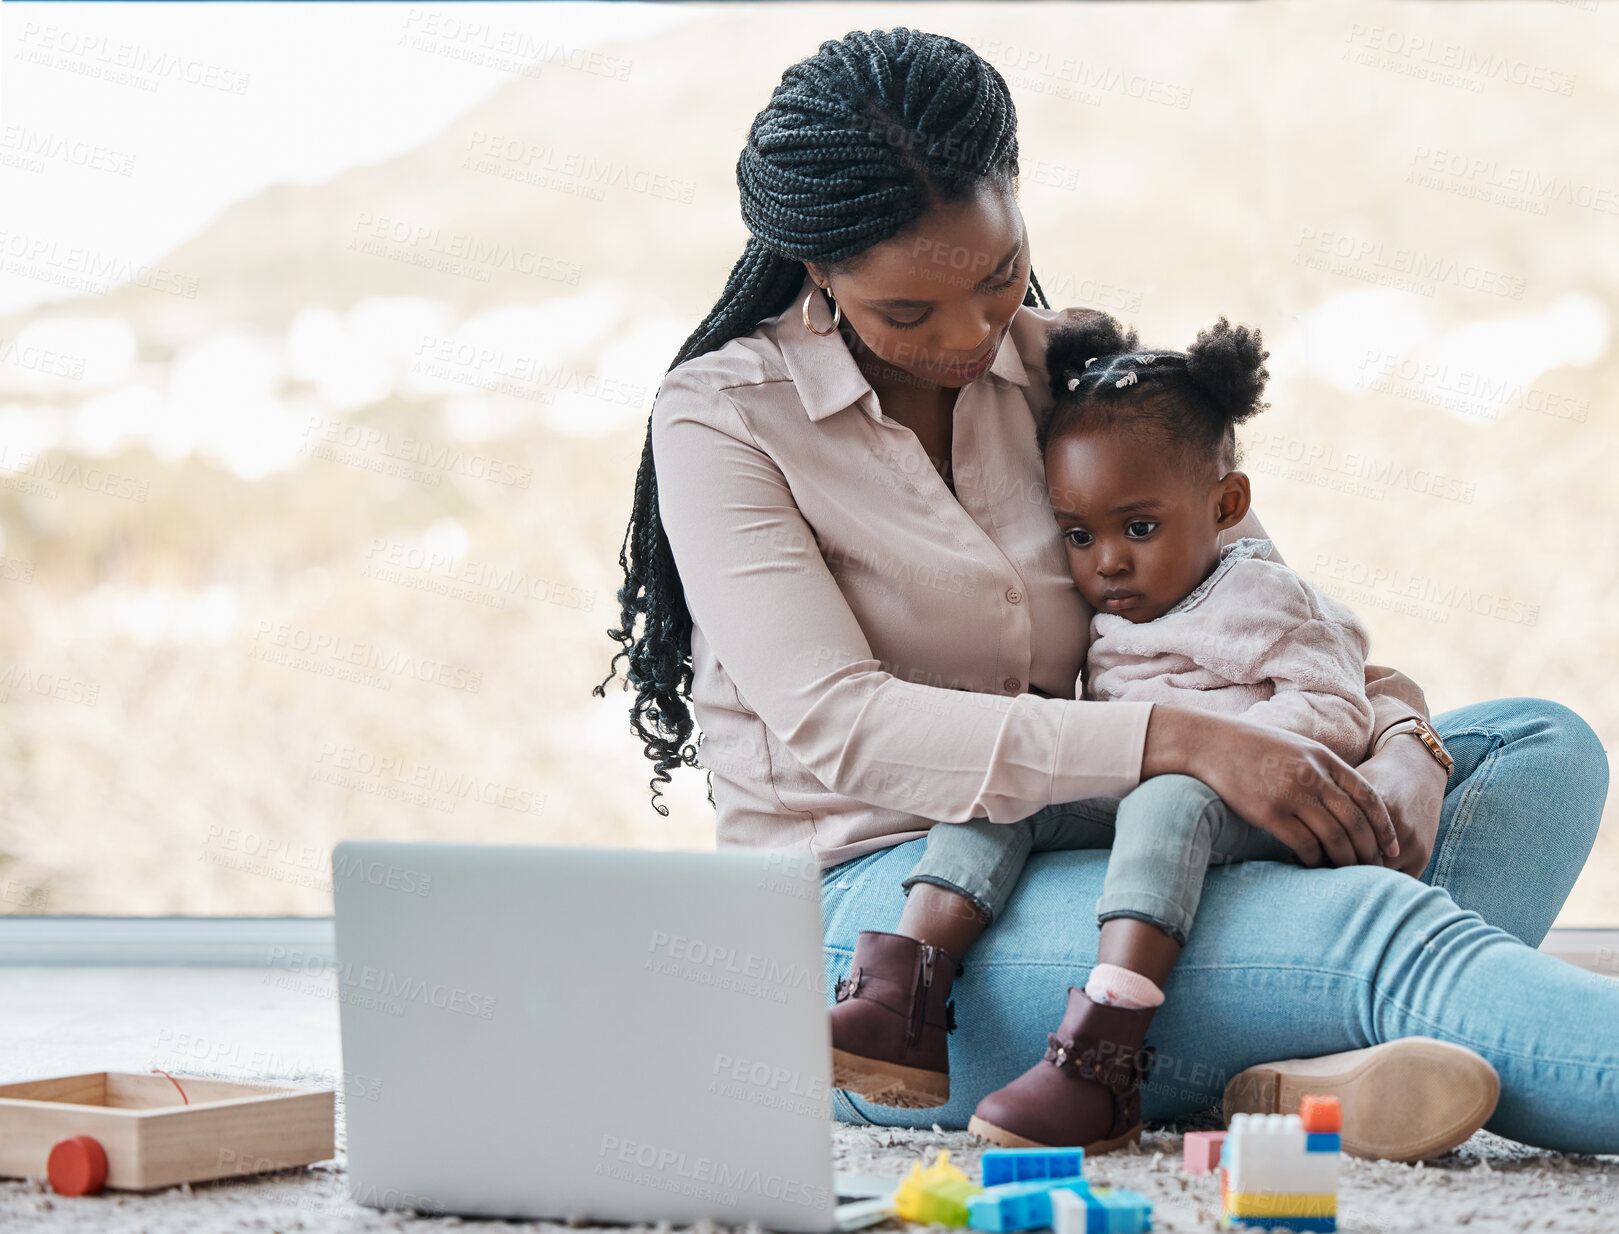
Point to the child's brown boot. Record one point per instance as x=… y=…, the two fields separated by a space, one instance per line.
x=891 y=1020
x=1085 y=1092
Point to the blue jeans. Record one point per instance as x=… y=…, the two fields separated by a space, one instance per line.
x=1163 y=833
x=1288 y=962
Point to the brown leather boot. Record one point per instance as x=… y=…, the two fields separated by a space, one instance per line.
x=1085 y=1090
x=890 y=1021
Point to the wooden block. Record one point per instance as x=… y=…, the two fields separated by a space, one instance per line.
x=153 y=1138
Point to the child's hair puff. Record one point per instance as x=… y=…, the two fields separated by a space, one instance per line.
x=1194 y=399
x=1228 y=364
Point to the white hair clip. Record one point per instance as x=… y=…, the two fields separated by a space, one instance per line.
x=1090 y=362
x=1129 y=379
x=1072 y=382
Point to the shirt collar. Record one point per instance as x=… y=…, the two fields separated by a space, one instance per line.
x=1230 y=555
x=824 y=370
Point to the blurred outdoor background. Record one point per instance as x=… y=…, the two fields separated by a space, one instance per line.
x=328 y=336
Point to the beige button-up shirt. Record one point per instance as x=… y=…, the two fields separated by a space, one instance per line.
x=872 y=653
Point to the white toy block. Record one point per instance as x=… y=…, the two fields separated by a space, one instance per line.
x=1266 y=1152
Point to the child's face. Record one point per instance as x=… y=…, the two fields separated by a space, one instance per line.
x=1141 y=530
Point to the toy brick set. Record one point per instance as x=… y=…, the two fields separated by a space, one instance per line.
x=1022 y=1189
x=128 y=1131
x=1281 y=1170
x=1277 y=1171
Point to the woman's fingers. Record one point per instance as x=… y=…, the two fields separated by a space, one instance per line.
x=1329 y=831
x=1344 y=811
x=1350 y=815
x=1291 y=831
x=1372 y=805
x=1308 y=797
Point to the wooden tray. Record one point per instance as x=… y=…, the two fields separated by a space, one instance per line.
x=151 y=1136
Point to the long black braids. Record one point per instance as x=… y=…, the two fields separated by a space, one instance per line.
x=857 y=141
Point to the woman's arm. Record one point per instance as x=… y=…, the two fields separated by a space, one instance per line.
x=760 y=591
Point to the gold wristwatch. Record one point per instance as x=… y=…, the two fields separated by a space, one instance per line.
x=1427 y=734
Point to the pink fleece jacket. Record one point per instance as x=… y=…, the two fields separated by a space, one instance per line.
x=1252 y=639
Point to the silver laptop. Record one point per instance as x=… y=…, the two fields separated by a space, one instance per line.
x=608 y=1034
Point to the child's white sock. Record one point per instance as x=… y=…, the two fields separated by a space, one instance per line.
x=1109 y=983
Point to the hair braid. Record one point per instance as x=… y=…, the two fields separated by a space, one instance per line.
x=857 y=141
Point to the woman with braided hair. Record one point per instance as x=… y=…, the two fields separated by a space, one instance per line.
x=844 y=564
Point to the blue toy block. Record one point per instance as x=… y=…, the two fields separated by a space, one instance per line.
x=1106 y=1210
x=1322 y=1141
x=1128 y=1212
x=1015 y=1165
x=1019 y=1206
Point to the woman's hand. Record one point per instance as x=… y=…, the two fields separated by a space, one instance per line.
x=1412 y=786
x=1288 y=785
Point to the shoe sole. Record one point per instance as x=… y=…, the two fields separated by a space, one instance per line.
x=1402 y=1101
x=892 y=1084
x=1007 y=1139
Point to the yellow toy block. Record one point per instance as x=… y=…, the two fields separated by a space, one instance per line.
x=936 y=1194
x=1280 y=1204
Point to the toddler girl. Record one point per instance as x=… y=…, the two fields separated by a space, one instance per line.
x=1140 y=455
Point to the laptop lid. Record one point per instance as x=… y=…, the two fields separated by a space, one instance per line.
x=612 y=1034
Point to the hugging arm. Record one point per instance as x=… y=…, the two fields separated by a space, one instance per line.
x=760 y=592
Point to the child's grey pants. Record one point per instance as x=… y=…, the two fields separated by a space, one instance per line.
x=1164 y=834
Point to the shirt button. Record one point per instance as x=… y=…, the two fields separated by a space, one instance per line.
x=1011 y=684
x=1014 y=595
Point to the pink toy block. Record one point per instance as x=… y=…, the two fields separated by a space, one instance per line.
x=1202 y=1152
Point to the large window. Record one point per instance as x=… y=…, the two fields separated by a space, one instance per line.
x=328 y=336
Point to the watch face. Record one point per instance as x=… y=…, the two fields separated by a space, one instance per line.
x=1431 y=739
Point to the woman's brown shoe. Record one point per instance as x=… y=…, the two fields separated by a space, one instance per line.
x=1085 y=1092
x=1404 y=1100
x=891 y=1019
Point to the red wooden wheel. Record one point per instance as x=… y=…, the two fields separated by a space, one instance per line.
x=77 y=1166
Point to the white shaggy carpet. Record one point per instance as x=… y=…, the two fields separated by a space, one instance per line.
x=56 y=1022
x=1486 y=1186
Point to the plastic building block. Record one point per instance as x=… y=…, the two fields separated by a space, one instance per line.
x=1275 y=1173
x=1019 y=1206
x=1201 y=1152
x=1269 y=1153
x=1319 y=1113
x=938 y=1194
x=1265 y=1204
x=1100 y=1210
x=1015 y=1165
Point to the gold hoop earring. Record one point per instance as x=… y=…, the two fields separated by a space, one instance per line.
x=837 y=312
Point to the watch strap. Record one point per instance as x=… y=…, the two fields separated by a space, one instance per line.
x=1423 y=731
